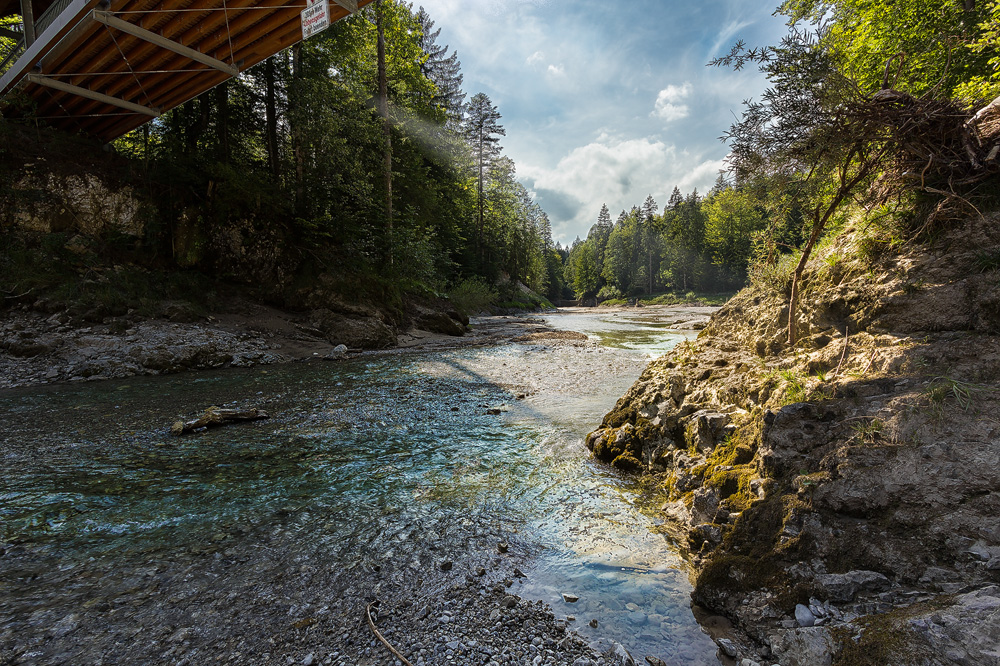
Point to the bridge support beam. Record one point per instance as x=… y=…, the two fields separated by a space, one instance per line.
x=134 y=30
x=349 y=5
x=90 y=94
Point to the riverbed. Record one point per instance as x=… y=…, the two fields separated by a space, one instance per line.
x=439 y=483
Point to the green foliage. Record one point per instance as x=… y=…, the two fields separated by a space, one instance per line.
x=945 y=389
x=733 y=218
x=581 y=269
x=293 y=152
x=64 y=271
x=774 y=277
x=610 y=293
x=984 y=83
x=988 y=261
x=868 y=430
x=515 y=296
x=696 y=246
x=795 y=389
x=920 y=46
x=473 y=296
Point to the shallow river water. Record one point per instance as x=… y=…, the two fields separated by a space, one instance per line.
x=373 y=459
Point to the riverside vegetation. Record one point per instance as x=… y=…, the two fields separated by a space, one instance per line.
x=829 y=443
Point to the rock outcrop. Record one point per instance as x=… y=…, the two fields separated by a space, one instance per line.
x=855 y=475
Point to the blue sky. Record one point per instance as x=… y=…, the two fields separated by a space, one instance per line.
x=607 y=102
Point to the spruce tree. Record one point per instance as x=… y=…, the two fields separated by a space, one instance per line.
x=443 y=70
x=483 y=131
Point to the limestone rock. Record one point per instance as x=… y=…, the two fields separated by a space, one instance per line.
x=366 y=331
x=844 y=587
x=619 y=656
x=728 y=647
x=968 y=632
x=812 y=646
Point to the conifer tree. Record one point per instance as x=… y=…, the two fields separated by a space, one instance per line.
x=483 y=131
x=443 y=70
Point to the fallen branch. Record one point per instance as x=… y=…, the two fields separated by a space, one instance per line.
x=215 y=417
x=394 y=651
x=18 y=296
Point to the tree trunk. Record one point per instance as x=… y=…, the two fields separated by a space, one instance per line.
x=271 y=119
x=846 y=187
x=793 y=301
x=222 y=106
x=383 y=110
x=650 y=272
x=479 y=227
x=196 y=119
x=295 y=121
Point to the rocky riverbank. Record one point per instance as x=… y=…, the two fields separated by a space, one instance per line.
x=839 y=497
x=444 y=606
x=41 y=347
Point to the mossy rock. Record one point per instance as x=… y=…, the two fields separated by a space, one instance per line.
x=619 y=416
x=627 y=462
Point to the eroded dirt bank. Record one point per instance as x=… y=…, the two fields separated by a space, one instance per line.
x=840 y=497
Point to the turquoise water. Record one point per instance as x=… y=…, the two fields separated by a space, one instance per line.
x=356 y=457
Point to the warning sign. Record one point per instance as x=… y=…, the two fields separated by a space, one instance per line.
x=315 y=18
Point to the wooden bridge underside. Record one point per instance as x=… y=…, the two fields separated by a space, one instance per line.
x=106 y=68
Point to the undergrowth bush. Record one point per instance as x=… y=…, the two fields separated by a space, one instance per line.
x=473 y=296
x=775 y=278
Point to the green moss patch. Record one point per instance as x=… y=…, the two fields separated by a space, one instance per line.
x=876 y=640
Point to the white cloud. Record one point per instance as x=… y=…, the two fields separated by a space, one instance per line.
x=668 y=104
x=701 y=175
x=598 y=71
x=619 y=172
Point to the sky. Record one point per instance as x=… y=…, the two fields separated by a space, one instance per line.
x=607 y=102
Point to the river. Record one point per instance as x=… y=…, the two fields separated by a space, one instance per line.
x=115 y=533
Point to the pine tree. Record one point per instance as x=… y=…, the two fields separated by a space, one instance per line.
x=483 y=132
x=649 y=236
x=601 y=232
x=676 y=199
x=649 y=209
x=443 y=70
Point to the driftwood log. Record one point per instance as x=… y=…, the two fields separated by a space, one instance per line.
x=215 y=417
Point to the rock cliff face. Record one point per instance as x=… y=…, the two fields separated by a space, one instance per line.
x=840 y=499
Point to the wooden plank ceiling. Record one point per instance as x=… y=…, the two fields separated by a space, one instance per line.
x=92 y=52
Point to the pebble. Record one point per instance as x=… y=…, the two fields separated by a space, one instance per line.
x=804 y=616
x=728 y=647
x=570 y=598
